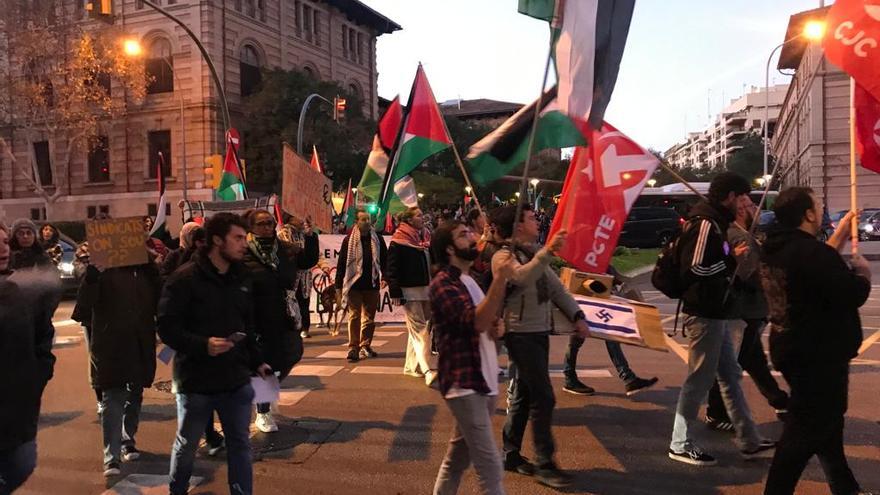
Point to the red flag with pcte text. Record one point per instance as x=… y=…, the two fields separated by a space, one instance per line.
x=602 y=183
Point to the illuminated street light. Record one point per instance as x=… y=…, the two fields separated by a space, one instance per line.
x=354 y=190
x=468 y=189
x=516 y=194
x=421 y=195
x=814 y=30
x=534 y=182
x=132 y=48
x=652 y=182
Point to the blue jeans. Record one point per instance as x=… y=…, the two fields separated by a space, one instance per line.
x=16 y=466
x=119 y=421
x=712 y=354
x=618 y=359
x=194 y=411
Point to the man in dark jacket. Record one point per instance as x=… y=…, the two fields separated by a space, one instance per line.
x=815 y=331
x=122 y=347
x=271 y=264
x=707 y=264
x=409 y=273
x=27 y=303
x=206 y=315
x=359 y=272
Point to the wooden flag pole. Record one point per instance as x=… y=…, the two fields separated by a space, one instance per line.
x=852 y=167
x=681 y=179
x=467 y=180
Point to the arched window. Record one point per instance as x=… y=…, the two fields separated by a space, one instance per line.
x=249 y=68
x=309 y=70
x=354 y=90
x=160 y=67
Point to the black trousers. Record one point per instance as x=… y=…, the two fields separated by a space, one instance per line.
x=814 y=427
x=531 y=397
x=305 y=316
x=753 y=361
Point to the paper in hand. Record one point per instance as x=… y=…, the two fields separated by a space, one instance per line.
x=265 y=389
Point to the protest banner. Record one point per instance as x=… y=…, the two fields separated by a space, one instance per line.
x=305 y=192
x=117 y=242
x=617 y=319
x=325 y=273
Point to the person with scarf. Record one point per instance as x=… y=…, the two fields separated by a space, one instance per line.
x=409 y=274
x=49 y=241
x=182 y=254
x=299 y=232
x=272 y=268
x=26 y=251
x=359 y=271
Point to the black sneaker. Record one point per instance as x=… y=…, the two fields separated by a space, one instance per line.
x=130 y=453
x=216 y=445
x=763 y=450
x=370 y=352
x=353 y=356
x=111 y=469
x=693 y=456
x=577 y=387
x=724 y=425
x=552 y=476
x=638 y=384
x=519 y=465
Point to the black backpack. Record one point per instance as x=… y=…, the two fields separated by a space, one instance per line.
x=667 y=272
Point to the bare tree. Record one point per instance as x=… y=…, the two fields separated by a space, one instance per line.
x=62 y=77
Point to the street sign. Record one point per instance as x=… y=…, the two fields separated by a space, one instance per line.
x=233 y=137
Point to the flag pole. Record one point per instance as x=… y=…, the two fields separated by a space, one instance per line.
x=852 y=167
x=681 y=179
x=467 y=180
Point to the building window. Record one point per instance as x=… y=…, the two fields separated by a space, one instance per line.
x=237 y=5
x=160 y=67
x=38 y=214
x=93 y=211
x=360 y=48
x=311 y=72
x=139 y=4
x=307 y=18
x=250 y=7
x=354 y=91
x=44 y=163
x=159 y=142
x=99 y=160
x=152 y=209
x=249 y=69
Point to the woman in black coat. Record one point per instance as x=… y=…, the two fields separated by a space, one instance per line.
x=26 y=249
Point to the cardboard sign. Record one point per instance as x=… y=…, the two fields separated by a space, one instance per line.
x=305 y=192
x=325 y=273
x=117 y=242
x=618 y=319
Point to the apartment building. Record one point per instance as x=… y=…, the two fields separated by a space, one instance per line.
x=329 y=39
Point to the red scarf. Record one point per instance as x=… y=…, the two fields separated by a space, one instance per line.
x=407 y=235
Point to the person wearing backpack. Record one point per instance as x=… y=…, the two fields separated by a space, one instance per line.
x=707 y=263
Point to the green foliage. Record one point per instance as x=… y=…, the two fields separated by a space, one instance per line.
x=272 y=117
x=439 y=190
x=748 y=161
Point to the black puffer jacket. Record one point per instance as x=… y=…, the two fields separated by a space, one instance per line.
x=198 y=303
x=814 y=300
x=407 y=267
x=27 y=302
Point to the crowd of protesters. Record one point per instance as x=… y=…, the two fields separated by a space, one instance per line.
x=232 y=303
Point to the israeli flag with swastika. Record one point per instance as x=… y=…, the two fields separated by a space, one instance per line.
x=610 y=318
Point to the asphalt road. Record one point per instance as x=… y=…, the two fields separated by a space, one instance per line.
x=366 y=428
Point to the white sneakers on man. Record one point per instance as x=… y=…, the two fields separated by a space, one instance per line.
x=266 y=423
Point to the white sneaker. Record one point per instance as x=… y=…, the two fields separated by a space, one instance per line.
x=430 y=377
x=266 y=423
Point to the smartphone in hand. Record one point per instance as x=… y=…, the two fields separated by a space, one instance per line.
x=237 y=337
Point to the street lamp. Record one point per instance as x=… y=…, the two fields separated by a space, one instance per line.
x=760 y=181
x=468 y=190
x=516 y=194
x=812 y=31
x=534 y=182
x=133 y=49
x=421 y=195
x=652 y=182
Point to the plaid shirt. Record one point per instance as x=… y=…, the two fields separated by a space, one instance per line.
x=458 y=345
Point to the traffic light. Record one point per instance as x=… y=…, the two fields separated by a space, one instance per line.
x=372 y=208
x=338 y=108
x=214 y=171
x=100 y=9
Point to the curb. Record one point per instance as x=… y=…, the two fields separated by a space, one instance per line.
x=647 y=269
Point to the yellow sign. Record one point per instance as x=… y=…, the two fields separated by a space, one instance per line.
x=117 y=242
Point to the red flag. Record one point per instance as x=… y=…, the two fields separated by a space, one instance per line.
x=467 y=199
x=602 y=184
x=389 y=125
x=316 y=164
x=278 y=216
x=389 y=224
x=867 y=128
x=852 y=41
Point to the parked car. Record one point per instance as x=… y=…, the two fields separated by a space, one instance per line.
x=650 y=227
x=869 y=224
x=69 y=283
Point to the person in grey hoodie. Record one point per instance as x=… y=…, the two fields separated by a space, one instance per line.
x=532 y=292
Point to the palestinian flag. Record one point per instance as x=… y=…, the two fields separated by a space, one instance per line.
x=231 y=186
x=315 y=163
x=348 y=206
x=424 y=134
x=387 y=130
x=158 y=230
x=588 y=38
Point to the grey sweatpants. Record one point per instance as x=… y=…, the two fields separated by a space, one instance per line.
x=472 y=442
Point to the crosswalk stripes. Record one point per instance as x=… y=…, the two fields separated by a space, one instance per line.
x=292 y=396
x=144 y=484
x=378 y=370
x=601 y=373
x=387 y=334
x=333 y=355
x=315 y=370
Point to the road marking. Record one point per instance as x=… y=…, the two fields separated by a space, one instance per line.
x=654 y=298
x=585 y=373
x=667 y=319
x=378 y=343
x=868 y=342
x=378 y=370
x=134 y=484
x=388 y=334
x=676 y=348
x=65 y=323
x=66 y=341
x=315 y=370
x=772 y=372
x=334 y=355
x=292 y=396
x=865 y=362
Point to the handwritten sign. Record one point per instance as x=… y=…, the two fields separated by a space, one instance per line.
x=305 y=192
x=117 y=242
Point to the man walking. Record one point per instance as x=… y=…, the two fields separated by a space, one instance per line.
x=122 y=303
x=815 y=331
x=206 y=315
x=467 y=325
x=359 y=271
x=707 y=266
x=409 y=272
x=752 y=307
x=528 y=318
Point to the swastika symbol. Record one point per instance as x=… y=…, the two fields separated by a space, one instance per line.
x=604 y=315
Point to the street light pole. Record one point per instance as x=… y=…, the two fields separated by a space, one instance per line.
x=302 y=120
x=765 y=128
